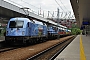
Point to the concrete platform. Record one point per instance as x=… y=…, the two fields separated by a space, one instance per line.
x=76 y=50
x=2 y=40
x=86 y=45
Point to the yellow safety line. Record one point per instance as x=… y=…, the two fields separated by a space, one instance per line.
x=82 y=54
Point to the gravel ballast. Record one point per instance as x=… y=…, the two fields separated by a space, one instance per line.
x=26 y=52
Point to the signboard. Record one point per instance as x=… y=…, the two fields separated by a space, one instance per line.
x=86 y=23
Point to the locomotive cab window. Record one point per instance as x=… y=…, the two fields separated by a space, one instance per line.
x=12 y=24
x=16 y=24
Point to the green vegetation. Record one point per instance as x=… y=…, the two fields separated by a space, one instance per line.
x=75 y=30
x=2 y=30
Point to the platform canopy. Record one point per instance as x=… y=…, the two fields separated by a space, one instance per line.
x=81 y=9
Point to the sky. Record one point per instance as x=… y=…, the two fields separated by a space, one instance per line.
x=41 y=7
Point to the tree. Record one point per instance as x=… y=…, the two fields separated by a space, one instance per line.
x=75 y=30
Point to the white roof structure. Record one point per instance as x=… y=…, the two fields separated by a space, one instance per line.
x=11 y=7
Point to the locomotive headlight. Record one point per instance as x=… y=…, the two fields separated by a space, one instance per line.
x=23 y=32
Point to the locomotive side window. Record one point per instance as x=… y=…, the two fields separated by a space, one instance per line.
x=16 y=24
x=54 y=28
x=28 y=24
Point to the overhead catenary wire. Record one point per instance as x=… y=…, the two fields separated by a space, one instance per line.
x=21 y=5
x=39 y=12
x=36 y=7
x=63 y=9
x=67 y=10
x=29 y=4
x=59 y=5
x=63 y=5
x=16 y=3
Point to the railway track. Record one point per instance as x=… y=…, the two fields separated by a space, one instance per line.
x=24 y=52
x=52 y=52
x=6 y=47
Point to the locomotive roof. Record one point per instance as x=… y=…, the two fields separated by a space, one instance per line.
x=24 y=19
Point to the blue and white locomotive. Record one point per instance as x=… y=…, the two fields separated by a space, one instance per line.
x=24 y=30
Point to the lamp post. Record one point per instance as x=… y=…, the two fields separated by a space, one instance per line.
x=58 y=21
